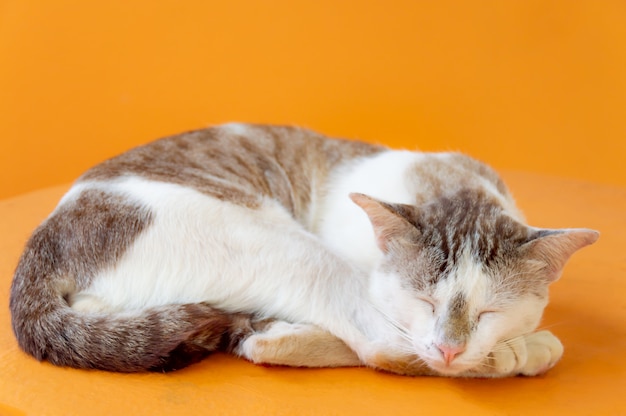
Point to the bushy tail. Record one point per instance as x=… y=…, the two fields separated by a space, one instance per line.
x=158 y=339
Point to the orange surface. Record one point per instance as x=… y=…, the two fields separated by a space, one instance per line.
x=533 y=84
x=536 y=86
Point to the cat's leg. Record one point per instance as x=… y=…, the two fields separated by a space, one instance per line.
x=544 y=350
x=400 y=363
x=306 y=345
x=530 y=355
x=295 y=345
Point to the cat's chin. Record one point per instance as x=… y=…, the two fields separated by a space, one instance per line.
x=450 y=370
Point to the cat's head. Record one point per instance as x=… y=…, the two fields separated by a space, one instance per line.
x=459 y=275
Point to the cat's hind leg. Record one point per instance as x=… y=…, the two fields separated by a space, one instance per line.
x=295 y=345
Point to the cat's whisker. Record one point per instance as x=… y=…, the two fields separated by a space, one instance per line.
x=393 y=324
x=488 y=365
x=400 y=329
x=552 y=325
x=508 y=343
x=406 y=351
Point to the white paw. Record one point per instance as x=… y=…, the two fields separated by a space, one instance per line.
x=528 y=355
x=251 y=349
x=263 y=347
x=544 y=350
x=507 y=358
x=296 y=345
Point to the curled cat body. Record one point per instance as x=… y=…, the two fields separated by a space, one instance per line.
x=286 y=247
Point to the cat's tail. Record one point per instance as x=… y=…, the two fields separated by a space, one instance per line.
x=159 y=339
x=86 y=234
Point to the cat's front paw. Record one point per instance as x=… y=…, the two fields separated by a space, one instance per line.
x=527 y=355
x=506 y=359
x=544 y=350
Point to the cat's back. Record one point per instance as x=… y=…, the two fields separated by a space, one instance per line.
x=239 y=163
x=150 y=215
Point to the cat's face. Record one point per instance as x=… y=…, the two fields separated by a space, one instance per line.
x=459 y=277
x=454 y=322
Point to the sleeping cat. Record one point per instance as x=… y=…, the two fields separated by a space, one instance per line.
x=286 y=247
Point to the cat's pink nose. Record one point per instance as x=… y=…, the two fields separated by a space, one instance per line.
x=450 y=352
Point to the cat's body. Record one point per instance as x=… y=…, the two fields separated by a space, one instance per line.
x=409 y=262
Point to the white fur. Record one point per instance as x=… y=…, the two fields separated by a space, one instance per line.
x=344 y=227
x=201 y=249
x=421 y=320
x=504 y=320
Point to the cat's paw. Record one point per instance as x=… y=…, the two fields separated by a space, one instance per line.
x=506 y=359
x=544 y=350
x=528 y=355
x=267 y=342
x=295 y=345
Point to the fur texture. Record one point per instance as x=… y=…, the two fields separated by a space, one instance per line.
x=287 y=247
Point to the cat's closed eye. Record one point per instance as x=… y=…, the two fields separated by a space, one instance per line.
x=429 y=302
x=486 y=314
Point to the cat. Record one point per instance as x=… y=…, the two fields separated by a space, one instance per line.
x=286 y=247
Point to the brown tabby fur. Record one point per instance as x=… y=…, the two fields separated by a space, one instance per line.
x=276 y=162
x=290 y=165
x=283 y=163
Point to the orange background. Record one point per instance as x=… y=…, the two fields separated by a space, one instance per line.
x=532 y=85
x=535 y=85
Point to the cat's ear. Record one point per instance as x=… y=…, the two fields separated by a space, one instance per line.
x=389 y=221
x=553 y=248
